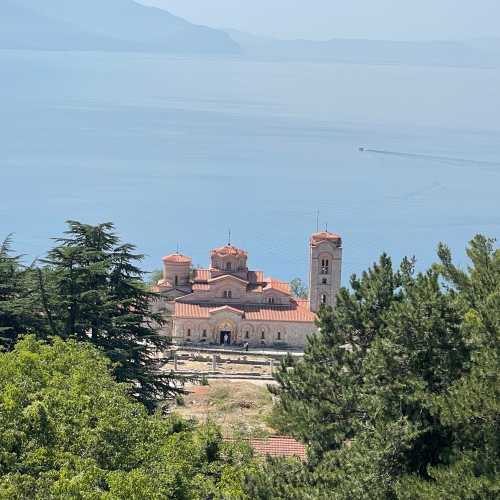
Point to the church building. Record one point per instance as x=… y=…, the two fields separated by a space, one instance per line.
x=227 y=303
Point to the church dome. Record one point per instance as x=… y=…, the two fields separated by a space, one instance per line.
x=229 y=250
x=229 y=259
x=177 y=258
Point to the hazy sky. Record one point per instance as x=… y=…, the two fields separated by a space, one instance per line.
x=323 y=19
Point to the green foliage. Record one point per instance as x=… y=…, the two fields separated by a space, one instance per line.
x=299 y=289
x=16 y=308
x=94 y=293
x=154 y=276
x=69 y=430
x=398 y=395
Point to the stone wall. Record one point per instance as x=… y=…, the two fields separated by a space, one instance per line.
x=263 y=334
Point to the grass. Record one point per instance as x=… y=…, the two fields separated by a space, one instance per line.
x=241 y=408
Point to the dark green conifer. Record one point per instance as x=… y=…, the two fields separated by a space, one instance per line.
x=16 y=311
x=96 y=294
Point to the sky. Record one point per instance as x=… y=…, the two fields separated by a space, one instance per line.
x=324 y=19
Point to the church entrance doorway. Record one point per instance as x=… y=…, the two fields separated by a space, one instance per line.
x=225 y=337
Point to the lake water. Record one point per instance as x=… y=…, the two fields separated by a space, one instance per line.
x=177 y=150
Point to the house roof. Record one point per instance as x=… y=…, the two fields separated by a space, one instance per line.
x=278 y=446
x=297 y=311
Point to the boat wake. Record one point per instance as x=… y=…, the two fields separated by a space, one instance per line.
x=446 y=159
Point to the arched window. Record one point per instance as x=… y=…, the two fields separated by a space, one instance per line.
x=176 y=280
x=228 y=266
x=324 y=281
x=323 y=298
x=189 y=332
x=270 y=300
x=325 y=266
x=247 y=334
x=228 y=294
x=263 y=335
x=279 y=335
x=204 y=334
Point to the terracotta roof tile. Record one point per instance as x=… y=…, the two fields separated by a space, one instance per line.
x=177 y=258
x=229 y=250
x=226 y=308
x=281 y=286
x=325 y=236
x=297 y=312
x=202 y=274
x=278 y=446
x=201 y=287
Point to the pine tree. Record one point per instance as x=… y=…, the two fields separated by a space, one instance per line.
x=95 y=293
x=398 y=395
x=16 y=312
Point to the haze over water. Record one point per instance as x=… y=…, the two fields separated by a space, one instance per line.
x=178 y=150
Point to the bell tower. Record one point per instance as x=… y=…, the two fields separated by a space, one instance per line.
x=325 y=269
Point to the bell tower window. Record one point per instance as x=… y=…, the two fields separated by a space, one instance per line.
x=323 y=298
x=325 y=266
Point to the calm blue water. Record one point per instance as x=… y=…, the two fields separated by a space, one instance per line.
x=177 y=150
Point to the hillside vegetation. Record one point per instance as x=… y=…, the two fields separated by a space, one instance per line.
x=397 y=396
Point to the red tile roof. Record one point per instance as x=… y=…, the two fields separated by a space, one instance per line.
x=297 y=312
x=229 y=250
x=226 y=308
x=177 y=258
x=202 y=274
x=278 y=446
x=228 y=277
x=325 y=236
x=201 y=287
x=281 y=286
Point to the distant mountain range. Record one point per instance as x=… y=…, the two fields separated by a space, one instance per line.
x=478 y=52
x=125 y=25
x=104 y=25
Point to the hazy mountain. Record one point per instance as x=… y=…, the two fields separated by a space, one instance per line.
x=104 y=25
x=370 y=51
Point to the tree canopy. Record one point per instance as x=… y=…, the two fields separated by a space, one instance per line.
x=69 y=430
x=398 y=395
